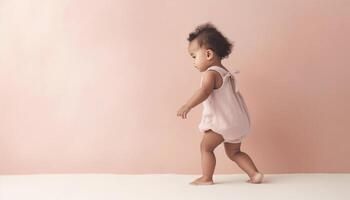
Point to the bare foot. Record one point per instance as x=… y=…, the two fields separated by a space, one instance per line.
x=202 y=181
x=257 y=178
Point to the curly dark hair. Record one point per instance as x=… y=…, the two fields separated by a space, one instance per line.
x=208 y=36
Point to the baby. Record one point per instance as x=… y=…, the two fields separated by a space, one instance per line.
x=225 y=116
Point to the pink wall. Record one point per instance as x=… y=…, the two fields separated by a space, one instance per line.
x=94 y=86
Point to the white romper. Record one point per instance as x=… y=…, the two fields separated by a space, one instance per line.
x=225 y=111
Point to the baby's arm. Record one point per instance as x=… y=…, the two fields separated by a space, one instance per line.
x=204 y=91
x=207 y=86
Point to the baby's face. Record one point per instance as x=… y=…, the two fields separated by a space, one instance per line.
x=199 y=55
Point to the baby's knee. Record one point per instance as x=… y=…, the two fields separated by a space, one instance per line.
x=233 y=154
x=206 y=148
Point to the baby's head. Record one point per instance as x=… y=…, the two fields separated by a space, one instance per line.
x=208 y=46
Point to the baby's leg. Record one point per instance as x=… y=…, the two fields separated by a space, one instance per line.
x=209 y=142
x=243 y=161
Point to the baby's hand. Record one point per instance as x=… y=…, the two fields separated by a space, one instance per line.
x=183 y=111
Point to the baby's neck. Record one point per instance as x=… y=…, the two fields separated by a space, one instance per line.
x=216 y=63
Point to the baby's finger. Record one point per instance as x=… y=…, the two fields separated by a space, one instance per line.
x=178 y=113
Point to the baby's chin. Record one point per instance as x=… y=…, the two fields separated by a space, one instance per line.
x=200 y=70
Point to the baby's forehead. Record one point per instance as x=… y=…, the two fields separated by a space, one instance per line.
x=193 y=46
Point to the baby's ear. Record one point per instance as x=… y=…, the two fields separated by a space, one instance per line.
x=209 y=54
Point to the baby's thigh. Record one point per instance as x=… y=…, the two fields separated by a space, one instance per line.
x=211 y=140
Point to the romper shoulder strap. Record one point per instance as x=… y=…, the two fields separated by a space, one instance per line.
x=225 y=74
x=221 y=71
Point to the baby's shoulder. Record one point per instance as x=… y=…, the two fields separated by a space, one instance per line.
x=211 y=73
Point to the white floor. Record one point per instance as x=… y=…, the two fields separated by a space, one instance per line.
x=172 y=186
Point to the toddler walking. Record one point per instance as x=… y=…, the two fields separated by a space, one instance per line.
x=225 y=116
